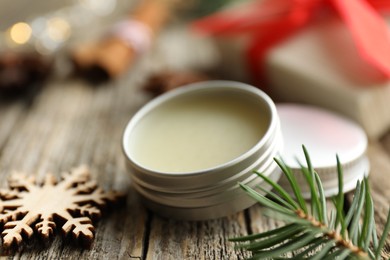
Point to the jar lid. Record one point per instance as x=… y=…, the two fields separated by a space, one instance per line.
x=324 y=134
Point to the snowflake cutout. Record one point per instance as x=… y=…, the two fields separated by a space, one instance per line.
x=76 y=200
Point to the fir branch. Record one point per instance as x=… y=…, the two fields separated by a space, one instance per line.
x=315 y=234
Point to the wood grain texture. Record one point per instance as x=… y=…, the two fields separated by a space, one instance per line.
x=379 y=180
x=170 y=239
x=70 y=124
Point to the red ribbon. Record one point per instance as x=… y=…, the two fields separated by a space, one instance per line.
x=271 y=21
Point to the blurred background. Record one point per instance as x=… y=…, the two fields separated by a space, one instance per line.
x=296 y=51
x=46 y=26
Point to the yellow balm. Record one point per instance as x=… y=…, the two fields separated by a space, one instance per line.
x=197 y=132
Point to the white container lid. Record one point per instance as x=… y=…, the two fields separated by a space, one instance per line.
x=324 y=134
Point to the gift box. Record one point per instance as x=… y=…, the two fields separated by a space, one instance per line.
x=320 y=64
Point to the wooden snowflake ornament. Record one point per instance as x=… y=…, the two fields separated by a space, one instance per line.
x=27 y=207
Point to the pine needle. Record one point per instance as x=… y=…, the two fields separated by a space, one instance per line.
x=314 y=234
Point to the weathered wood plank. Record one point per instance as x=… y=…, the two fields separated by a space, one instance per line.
x=71 y=124
x=11 y=114
x=170 y=239
x=379 y=155
x=260 y=223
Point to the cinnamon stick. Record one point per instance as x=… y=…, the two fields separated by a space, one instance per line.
x=115 y=53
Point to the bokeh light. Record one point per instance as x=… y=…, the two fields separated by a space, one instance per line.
x=58 y=29
x=99 y=7
x=20 y=33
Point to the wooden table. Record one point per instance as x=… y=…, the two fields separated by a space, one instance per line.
x=70 y=123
